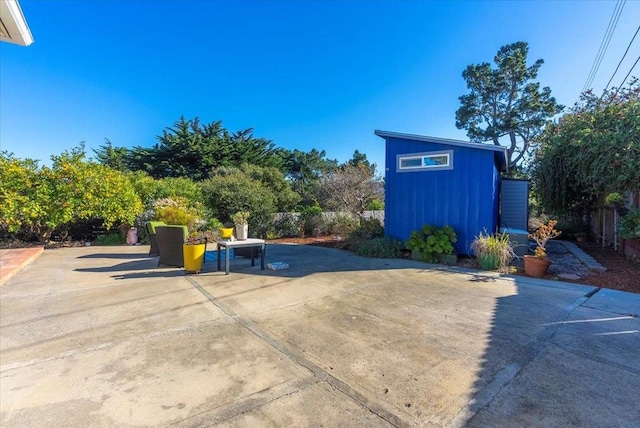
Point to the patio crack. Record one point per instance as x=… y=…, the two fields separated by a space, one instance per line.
x=319 y=373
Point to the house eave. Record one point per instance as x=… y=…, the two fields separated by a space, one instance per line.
x=13 y=25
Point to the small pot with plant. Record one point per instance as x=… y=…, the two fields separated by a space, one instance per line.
x=618 y=202
x=241 y=220
x=194 y=249
x=538 y=264
x=493 y=251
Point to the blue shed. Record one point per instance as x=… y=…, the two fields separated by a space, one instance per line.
x=439 y=181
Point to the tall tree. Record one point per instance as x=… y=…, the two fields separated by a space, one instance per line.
x=505 y=103
x=191 y=149
x=113 y=157
x=361 y=159
x=304 y=171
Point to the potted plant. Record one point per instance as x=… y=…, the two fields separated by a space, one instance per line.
x=432 y=244
x=241 y=220
x=538 y=264
x=193 y=250
x=617 y=201
x=493 y=251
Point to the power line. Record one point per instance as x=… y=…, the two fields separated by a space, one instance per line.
x=613 y=23
x=622 y=59
x=629 y=73
x=623 y=80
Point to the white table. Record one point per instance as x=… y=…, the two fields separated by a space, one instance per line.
x=251 y=242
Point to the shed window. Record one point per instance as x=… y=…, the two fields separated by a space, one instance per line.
x=425 y=161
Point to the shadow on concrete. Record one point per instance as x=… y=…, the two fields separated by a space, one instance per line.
x=531 y=344
x=114 y=256
x=136 y=265
x=174 y=273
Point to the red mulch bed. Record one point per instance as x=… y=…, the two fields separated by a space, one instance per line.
x=622 y=273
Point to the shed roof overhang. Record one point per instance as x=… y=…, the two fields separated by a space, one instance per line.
x=13 y=26
x=500 y=153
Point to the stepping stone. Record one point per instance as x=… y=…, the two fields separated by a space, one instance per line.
x=568 y=276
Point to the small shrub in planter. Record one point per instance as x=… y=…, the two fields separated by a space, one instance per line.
x=538 y=264
x=431 y=242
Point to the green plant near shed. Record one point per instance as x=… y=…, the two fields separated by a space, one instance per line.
x=430 y=241
x=629 y=224
x=493 y=251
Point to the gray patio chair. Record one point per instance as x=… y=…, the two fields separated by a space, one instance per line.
x=170 y=240
x=150 y=227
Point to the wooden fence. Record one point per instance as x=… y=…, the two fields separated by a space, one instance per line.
x=604 y=224
x=330 y=215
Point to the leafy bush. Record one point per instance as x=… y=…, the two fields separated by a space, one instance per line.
x=592 y=151
x=39 y=199
x=379 y=247
x=342 y=225
x=312 y=219
x=375 y=205
x=629 y=224
x=286 y=226
x=493 y=251
x=370 y=228
x=176 y=211
x=110 y=239
x=230 y=190
x=432 y=240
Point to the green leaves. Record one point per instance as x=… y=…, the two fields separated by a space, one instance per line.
x=592 y=151
x=192 y=150
x=40 y=199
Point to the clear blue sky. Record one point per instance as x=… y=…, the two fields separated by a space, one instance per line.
x=305 y=74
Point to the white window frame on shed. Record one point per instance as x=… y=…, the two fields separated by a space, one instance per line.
x=424 y=166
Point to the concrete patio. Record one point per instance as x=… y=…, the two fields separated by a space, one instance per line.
x=100 y=336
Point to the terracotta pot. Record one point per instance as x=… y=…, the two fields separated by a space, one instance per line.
x=536 y=267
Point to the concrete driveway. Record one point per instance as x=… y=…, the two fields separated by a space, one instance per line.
x=99 y=336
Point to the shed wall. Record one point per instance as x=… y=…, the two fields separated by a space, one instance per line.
x=465 y=197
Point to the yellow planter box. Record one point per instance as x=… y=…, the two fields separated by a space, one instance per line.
x=193 y=257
